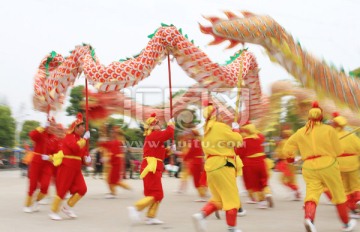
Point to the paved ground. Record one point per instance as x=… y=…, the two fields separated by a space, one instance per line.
x=97 y=214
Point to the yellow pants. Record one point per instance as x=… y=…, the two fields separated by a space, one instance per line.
x=351 y=181
x=223 y=188
x=316 y=180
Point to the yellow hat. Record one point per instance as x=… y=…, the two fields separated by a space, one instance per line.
x=315 y=113
x=78 y=121
x=150 y=123
x=209 y=112
x=339 y=120
x=315 y=116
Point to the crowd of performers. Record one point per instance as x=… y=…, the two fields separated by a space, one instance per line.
x=214 y=159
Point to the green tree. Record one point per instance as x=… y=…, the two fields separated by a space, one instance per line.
x=28 y=126
x=7 y=127
x=134 y=137
x=292 y=117
x=76 y=97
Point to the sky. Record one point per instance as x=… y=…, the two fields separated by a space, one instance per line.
x=30 y=29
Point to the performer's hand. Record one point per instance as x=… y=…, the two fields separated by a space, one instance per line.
x=235 y=126
x=88 y=159
x=47 y=124
x=171 y=122
x=173 y=147
x=86 y=135
x=44 y=157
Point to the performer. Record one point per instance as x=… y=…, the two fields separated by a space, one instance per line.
x=222 y=166
x=69 y=175
x=288 y=170
x=194 y=161
x=319 y=146
x=255 y=171
x=349 y=164
x=151 y=170
x=40 y=169
x=115 y=146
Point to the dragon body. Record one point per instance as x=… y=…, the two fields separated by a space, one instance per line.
x=282 y=48
x=56 y=73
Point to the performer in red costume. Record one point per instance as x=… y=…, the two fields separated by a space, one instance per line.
x=115 y=146
x=40 y=170
x=69 y=176
x=288 y=170
x=255 y=171
x=194 y=161
x=319 y=146
x=152 y=168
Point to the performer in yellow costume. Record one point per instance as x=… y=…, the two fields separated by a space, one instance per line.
x=349 y=164
x=222 y=166
x=319 y=146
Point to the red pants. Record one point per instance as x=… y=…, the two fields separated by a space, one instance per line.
x=40 y=174
x=114 y=174
x=70 y=179
x=153 y=185
x=255 y=174
x=196 y=170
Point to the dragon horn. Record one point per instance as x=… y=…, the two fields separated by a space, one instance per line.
x=230 y=15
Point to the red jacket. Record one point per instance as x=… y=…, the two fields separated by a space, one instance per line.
x=42 y=144
x=154 y=143
x=70 y=147
x=115 y=147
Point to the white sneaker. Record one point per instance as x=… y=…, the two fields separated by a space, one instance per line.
x=134 y=215
x=27 y=210
x=350 y=226
x=199 y=222
x=250 y=202
x=241 y=212
x=44 y=201
x=35 y=206
x=55 y=216
x=153 y=221
x=309 y=226
x=110 y=196
x=262 y=205
x=67 y=210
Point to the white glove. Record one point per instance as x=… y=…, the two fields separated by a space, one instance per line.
x=86 y=135
x=47 y=124
x=173 y=147
x=171 y=122
x=235 y=125
x=44 y=157
x=88 y=159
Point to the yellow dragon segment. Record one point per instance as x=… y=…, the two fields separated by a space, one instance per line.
x=281 y=48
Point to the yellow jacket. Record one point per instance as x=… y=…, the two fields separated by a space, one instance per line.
x=351 y=145
x=322 y=140
x=219 y=143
